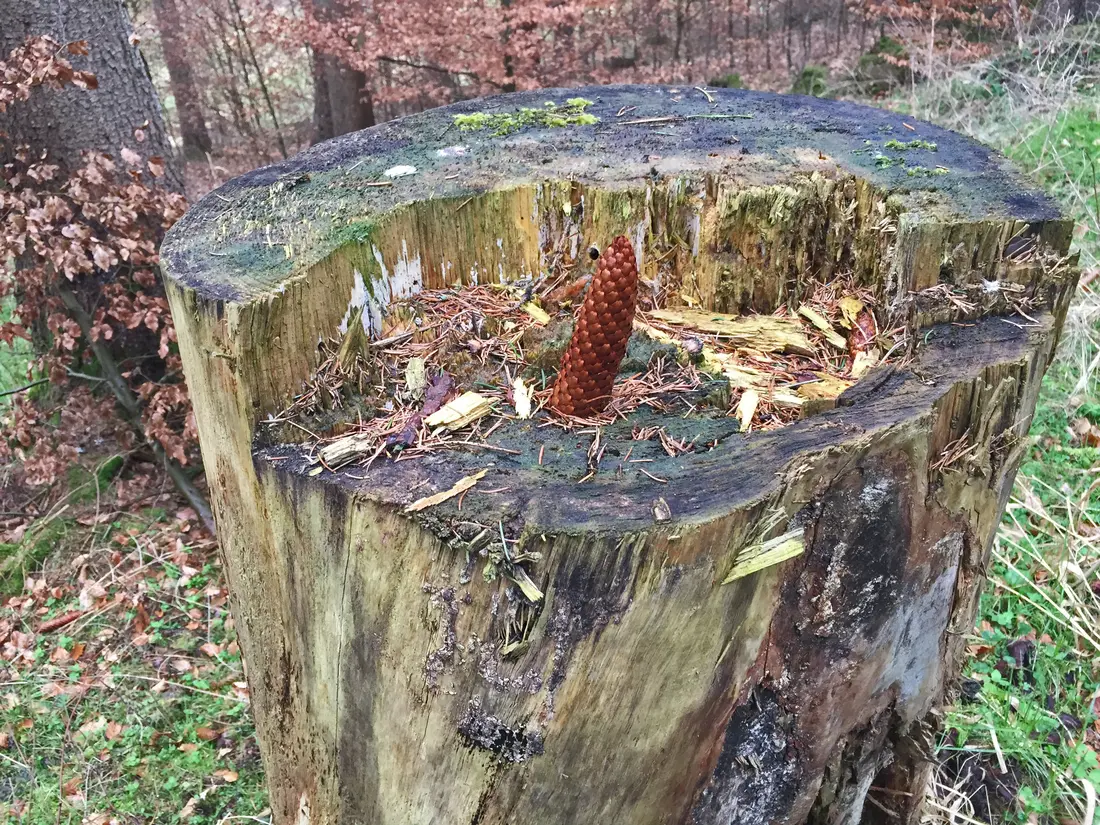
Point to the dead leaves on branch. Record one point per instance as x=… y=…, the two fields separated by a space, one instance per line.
x=104 y=222
x=38 y=62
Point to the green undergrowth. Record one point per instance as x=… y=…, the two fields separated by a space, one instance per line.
x=17 y=559
x=1027 y=715
x=122 y=691
x=13 y=359
x=1065 y=157
x=1021 y=743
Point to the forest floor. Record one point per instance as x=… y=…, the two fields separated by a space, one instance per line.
x=122 y=691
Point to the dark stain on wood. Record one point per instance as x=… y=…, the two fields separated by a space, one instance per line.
x=757 y=775
x=356 y=746
x=506 y=743
x=586 y=596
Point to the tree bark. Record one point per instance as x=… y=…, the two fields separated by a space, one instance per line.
x=645 y=680
x=342 y=101
x=69 y=121
x=196 y=138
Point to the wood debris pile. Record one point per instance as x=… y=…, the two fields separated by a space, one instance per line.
x=453 y=365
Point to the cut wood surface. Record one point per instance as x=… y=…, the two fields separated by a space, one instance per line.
x=761 y=629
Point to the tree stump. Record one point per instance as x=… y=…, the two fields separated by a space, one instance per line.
x=644 y=679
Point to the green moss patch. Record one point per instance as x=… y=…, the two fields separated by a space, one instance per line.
x=574 y=112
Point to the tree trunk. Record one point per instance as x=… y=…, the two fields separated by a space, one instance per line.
x=196 y=139
x=70 y=121
x=657 y=665
x=342 y=102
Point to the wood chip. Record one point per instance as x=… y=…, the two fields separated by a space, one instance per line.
x=746 y=408
x=786 y=398
x=661 y=511
x=343 y=451
x=524 y=583
x=521 y=397
x=822 y=323
x=416 y=378
x=828 y=388
x=757 y=557
x=863 y=362
x=764 y=333
x=536 y=312
x=739 y=376
x=461 y=486
x=463 y=411
x=850 y=307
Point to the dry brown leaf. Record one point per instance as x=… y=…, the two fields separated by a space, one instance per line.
x=91 y=728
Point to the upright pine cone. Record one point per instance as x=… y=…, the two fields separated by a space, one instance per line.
x=599 y=341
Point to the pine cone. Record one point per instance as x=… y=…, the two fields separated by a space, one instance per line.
x=599 y=341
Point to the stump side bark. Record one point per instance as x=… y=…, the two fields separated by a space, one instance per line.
x=643 y=688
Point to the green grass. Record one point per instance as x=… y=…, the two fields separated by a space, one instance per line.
x=17 y=560
x=1026 y=724
x=1034 y=668
x=137 y=711
x=171 y=761
x=13 y=359
x=1063 y=155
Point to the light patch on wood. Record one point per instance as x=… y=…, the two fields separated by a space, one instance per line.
x=356 y=303
x=757 y=557
x=461 y=486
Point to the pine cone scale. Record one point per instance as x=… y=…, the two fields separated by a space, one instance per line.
x=604 y=324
